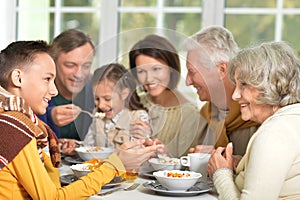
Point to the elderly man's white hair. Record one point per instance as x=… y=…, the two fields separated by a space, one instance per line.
x=215 y=44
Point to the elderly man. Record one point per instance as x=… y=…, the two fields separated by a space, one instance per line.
x=208 y=54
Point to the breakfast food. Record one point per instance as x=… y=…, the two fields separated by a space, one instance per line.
x=93 y=163
x=169 y=161
x=100 y=115
x=94 y=149
x=177 y=174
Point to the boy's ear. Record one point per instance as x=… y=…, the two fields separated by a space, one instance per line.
x=125 y=93
x=16 y=77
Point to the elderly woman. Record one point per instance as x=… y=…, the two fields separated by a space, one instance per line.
x=267 y=81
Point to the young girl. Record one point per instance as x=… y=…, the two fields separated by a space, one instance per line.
x=122 y=115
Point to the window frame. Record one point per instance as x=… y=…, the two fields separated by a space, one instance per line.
x=213 y=13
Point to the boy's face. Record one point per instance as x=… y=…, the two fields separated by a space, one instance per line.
x=37 y=83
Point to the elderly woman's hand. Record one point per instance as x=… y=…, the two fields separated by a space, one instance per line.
x=133 y=157
x=220 y=158
x=202 y=149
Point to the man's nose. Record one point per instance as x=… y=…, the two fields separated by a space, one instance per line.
x=188 y=80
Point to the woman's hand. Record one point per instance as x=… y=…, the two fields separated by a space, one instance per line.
x=133 y=157
x=65 y=114
x=220 y=158
x=140 y=129
x=236 y=161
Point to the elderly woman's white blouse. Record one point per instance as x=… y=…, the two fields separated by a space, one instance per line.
x=270 y=168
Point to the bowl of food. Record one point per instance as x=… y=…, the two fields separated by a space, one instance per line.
x=81 y=169
x=165 y=163
x=177 y=179
x=90 y=152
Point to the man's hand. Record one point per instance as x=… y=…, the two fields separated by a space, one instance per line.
x=65 y=114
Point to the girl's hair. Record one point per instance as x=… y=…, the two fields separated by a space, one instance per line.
x=161 y=49
x=123 y=79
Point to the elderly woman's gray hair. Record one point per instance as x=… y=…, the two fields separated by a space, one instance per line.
x=215 y=44
x=273 y=68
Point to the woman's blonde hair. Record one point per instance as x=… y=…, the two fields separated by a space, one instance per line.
x=273 y=68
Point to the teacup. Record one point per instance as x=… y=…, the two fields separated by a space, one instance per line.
x=196 y=162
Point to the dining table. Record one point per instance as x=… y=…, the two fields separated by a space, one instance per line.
x=141 y=192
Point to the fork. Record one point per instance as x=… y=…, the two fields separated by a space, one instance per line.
x=89 y=113
x=132 y=187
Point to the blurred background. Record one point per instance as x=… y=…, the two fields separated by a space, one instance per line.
x=115 y=25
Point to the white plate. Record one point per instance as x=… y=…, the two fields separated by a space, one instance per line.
x=198 y=188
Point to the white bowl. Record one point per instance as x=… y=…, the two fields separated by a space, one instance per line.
x=88 y=153
x=80 y=169
x=165 y=163
x=183 y=182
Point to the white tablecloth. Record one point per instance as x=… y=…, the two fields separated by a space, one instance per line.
x=140 y=193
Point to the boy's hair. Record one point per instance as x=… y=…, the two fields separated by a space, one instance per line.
x=69 y=40
x=19 y=54
x=122 y=78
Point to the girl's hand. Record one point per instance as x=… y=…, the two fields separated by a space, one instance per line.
x=221 y=158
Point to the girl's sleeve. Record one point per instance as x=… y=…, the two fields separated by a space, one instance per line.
x=89 y=137
x=96 y=135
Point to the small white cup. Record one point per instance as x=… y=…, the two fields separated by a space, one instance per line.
x=196 y=162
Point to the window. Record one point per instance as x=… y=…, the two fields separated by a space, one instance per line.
x=253 y=22
x=173 y=19
x=115 y=25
